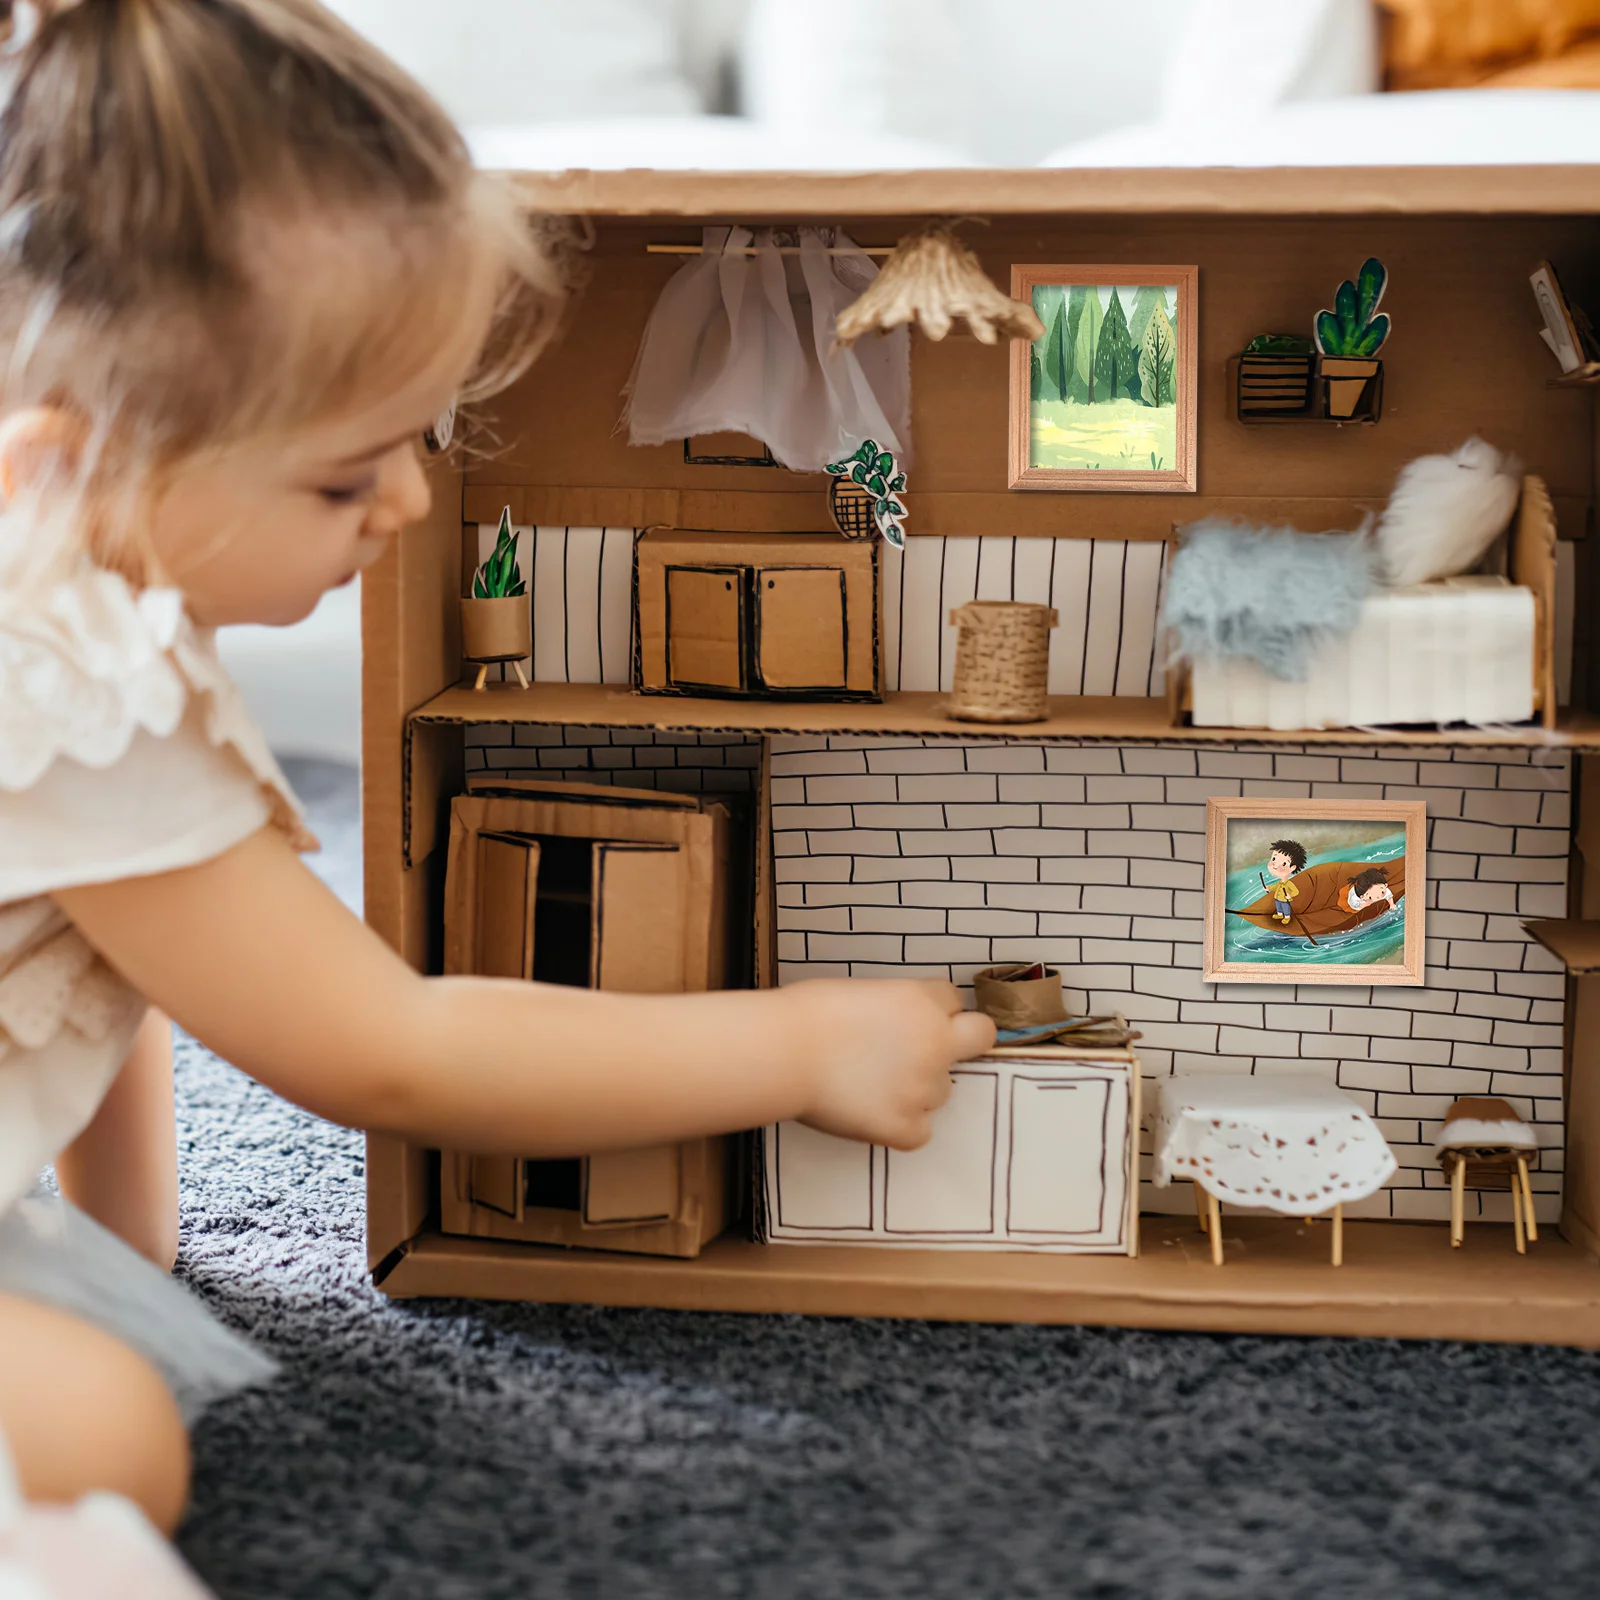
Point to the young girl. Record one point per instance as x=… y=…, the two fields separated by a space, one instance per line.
x=243 y=264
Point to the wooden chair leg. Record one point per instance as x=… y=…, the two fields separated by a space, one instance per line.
x=1214 y=1228
x=1527 y=1199
x=1338 y=1236
x=1516 y=1215
x=1458 y=1195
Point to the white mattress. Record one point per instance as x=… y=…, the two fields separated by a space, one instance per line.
x=1457 y=651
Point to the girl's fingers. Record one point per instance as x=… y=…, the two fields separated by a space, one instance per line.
x=974 y=1033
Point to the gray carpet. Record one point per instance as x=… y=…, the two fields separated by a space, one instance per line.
x=451 y=1449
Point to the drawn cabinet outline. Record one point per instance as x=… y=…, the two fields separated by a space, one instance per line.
x=1033 y=1152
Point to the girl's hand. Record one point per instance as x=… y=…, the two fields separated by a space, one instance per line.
x=880 y=1054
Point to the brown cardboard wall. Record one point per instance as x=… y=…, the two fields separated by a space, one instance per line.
x=410 y=650
x=1464 y=358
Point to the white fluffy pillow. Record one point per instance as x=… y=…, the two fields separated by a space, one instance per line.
x=1445 y=512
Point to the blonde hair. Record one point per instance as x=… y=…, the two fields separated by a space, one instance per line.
x=168 y=168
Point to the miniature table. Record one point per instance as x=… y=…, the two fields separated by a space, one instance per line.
x=1297 y=1146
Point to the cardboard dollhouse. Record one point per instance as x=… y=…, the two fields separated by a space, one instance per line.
x=874 y=836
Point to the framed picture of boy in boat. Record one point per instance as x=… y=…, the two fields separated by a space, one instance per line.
x=1314 y=891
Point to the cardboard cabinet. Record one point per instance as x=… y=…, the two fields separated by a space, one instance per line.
x=604 y=888
x=769 y=615
x=1033 y=1151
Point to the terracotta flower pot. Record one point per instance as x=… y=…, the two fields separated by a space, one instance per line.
x=496 y=630
x=1344 y=379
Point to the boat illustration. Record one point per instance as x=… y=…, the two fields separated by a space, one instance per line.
x=1322 y=906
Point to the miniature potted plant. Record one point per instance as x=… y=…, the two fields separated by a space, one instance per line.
x=1348 y=341
x=496 y=622
x=862 y=499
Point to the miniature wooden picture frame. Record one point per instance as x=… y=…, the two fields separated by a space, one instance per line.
x=1315 y=891
x=1106 y=399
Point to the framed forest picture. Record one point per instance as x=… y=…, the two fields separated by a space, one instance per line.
x=1106 y=398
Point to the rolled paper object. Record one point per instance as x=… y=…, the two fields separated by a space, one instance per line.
x=1023 y=1003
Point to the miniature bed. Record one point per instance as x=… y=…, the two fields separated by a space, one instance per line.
x=888 y=838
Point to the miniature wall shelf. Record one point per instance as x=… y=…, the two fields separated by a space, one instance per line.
x=1245 y=373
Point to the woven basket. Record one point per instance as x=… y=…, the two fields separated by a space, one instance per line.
x=850 y=505
x=1002 y=661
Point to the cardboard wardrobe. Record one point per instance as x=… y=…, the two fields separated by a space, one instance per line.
x=600 y=888
x=783 y=615
x=1465 y=358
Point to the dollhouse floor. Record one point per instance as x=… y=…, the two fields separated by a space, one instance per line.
x=469 y=1451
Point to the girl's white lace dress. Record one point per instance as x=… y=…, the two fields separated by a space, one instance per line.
x=124 y=751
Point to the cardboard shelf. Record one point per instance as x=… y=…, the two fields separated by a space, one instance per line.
x=1574 y=943
x=1400 y=1280
x=921 y=715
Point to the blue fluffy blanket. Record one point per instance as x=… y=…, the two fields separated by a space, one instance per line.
x=1269 y=594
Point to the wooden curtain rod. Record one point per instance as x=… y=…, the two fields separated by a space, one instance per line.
x=750 y=250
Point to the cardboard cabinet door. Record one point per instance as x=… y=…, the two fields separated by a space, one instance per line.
x=636 y=947
x=948 y=1185
x=801 y=628
x=705 y=627
x=508 y=877
x=1067 y=1163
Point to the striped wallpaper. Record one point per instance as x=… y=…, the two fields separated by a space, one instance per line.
x=1107 y=591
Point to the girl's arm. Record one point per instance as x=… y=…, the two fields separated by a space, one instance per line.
x=254 y=956
x=123 y=1168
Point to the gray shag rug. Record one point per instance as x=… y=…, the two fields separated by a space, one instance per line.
x=450 y=1450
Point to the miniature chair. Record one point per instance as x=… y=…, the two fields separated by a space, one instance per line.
x=1292 y=1145
x=1484 y=1144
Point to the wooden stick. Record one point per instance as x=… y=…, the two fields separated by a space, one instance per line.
x=1199 y=1203
x=1458 y=1188
x=1527 y=1199
x=1338 y=1236
x=1214 y=1210
x=522 y=677
x=1516 y=1216
x=483 y=674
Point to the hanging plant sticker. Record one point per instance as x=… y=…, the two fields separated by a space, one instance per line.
x=876 y=472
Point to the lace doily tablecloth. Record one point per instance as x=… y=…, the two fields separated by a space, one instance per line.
x=1292 y=1145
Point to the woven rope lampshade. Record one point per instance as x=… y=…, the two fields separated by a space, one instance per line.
x=932 y=279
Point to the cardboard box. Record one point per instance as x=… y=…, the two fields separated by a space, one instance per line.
x=782 y=616
x=604 y=888
x=1459 y=238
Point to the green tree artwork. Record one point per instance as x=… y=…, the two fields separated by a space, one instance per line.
x=1116 y=361
x=1103 y=378
x=1157 y=358
x=1087 y=345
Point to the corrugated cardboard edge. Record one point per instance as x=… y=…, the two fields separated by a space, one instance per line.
x=1482 y=1292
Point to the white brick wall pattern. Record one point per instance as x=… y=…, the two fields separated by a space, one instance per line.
x=939 y=857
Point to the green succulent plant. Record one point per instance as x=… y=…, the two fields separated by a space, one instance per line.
x=876 y=471
x=500 y=578
x=1355 y=326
